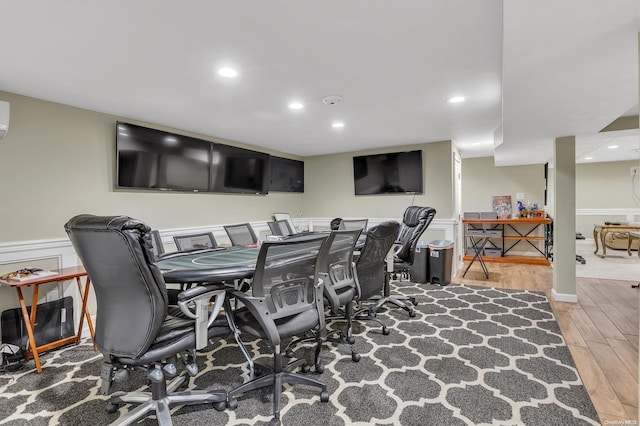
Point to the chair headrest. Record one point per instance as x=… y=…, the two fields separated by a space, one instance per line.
x=118 y=223
x=416 y=214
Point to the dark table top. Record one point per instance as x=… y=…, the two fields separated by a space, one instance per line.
x=220 y=264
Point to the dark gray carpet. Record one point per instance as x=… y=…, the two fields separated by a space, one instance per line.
x=471 y=356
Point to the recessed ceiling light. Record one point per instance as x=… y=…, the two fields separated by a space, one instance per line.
x=612 y=146
x=476 y=143
x=296 y=105
x=457 y=99
x=337 y=125
x=588 y=158
x=228 y=72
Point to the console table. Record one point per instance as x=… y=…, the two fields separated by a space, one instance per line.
x=504 y=234
x=601 y=231
x=63 y=274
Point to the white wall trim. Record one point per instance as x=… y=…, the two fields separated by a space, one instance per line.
x=607 y=212
x=563 y=297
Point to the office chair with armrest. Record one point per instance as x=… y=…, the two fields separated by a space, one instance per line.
x=339 y=291
x=133 y=327
x=371 y=270
x=285 y=301
x=414 y=222
x=241 y=234
x=349 y=224
x=203 y=240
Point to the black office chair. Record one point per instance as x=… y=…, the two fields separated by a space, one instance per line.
x=241 y=234
x=203 y=240
x=274 y=228
x=133 y=328
x=285 y=228
x=371 y=270
x=414 y=222
x=156 y=244
x=340 y=291
x=286 y=301
x=348 y=224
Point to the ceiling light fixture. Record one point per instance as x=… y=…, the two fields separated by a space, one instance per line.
x=296 y=105
x=337 y=125
x=456 y=99
x=227 y=72
x=612 y=146
x=588 y=158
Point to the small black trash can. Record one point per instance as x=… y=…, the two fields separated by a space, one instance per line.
x=440 y=260
x=419 y=271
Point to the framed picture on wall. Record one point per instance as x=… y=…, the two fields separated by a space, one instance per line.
x=502 y=206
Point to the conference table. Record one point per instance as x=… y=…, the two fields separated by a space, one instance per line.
x=226 y=264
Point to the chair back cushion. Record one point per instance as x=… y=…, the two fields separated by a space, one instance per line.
x=414 y=222
x=130 y=292
x=370 y=265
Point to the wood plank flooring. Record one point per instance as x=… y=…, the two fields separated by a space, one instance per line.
x=601 y=331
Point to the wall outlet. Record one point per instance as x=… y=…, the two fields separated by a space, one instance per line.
x=635 y=171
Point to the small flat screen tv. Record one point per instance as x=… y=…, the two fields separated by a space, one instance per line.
x=154 y=159
x=286 y=175
x=391 y=173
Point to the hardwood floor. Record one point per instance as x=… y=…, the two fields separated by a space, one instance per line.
x=601 y=331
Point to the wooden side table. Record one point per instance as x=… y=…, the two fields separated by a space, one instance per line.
x=63 y=274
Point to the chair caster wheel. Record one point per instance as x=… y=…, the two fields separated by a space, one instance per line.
x=412 y=313
x=220 y=406
x=305 y=368
x=111 y=407
x=319 y=368
x=232 y=403
x=355 y=357
x=351 y=340
x=385 y=331
x=274 y=422
x=324 y=396
x=289 y=353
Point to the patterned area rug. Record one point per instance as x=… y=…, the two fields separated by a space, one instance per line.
x=471 y=356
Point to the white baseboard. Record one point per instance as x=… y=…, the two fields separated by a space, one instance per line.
x=564 y=297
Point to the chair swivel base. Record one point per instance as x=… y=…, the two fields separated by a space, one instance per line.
x=276 y=380
x=397 y=301
x=161 y=398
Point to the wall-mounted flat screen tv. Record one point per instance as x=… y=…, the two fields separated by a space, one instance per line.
x=286 y=175
x=391 y=173
x=154 y=159
x=239 y=170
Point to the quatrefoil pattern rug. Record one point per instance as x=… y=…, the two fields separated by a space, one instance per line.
x=470 y=356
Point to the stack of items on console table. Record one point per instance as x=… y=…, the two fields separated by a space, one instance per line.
x=513 y=240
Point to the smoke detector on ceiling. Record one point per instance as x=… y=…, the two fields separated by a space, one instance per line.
x=332 y=100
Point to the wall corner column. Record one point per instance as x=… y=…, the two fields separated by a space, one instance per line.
x=564 y=223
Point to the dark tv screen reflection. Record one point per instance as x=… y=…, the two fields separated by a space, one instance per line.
x=391 y=173
x=286 y=175
x=154 y=159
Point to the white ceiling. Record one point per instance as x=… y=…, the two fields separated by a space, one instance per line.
x=548 y=69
